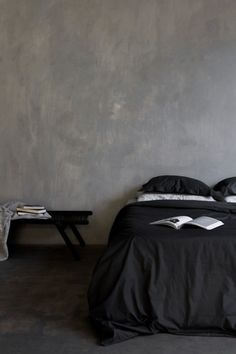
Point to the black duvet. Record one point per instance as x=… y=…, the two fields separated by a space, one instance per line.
x=154 y=279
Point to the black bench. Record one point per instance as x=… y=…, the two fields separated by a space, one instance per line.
x=62 y=220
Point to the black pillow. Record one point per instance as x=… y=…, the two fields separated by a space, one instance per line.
x=226 y=187
x=176 y=184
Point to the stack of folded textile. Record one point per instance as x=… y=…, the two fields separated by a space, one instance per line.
x=36 y=210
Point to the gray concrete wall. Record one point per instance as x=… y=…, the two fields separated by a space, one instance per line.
x=97 y=96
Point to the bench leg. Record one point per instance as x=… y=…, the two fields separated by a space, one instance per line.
x=77 y=235
x=67 y=241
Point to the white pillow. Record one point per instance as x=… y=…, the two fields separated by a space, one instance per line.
x=230 y=199
x=161 y=196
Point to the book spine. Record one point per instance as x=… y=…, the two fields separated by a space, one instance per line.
x=34 y=207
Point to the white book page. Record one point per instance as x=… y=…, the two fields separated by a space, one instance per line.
x=206 y=222
x=175 y=221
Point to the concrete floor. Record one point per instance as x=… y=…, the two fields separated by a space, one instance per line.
x=43 y=310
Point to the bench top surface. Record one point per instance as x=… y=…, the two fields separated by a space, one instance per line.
x=70 y=212
x=64 y=216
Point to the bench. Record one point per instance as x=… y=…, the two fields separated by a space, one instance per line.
x=63 y=220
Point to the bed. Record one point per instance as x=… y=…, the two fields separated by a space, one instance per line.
x=154 y=279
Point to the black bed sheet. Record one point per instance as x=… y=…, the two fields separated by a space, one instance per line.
x=154 y=279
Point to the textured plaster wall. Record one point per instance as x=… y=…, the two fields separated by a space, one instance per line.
x=97 y=96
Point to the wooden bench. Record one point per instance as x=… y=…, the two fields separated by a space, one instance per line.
x=63 y=220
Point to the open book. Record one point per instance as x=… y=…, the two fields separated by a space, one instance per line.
x=205 y=222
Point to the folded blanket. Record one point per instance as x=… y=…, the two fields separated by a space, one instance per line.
x=5 y=221
x=8 y=213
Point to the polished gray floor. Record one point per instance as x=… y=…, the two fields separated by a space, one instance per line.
x=43 y=309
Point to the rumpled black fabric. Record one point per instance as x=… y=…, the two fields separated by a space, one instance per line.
x=154 y=279
x=176 y=184
x=226 y=187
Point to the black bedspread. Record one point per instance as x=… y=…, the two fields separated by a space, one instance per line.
x=156 y=279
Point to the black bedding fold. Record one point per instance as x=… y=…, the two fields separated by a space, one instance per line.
x=155 y=279
x=186 y=204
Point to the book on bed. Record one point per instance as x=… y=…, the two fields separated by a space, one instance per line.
x=177 y=222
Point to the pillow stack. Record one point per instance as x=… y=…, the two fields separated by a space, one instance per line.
x=173 y=187
x=225 y=190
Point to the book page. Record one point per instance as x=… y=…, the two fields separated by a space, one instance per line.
x=206 y=222
x=175 y=221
